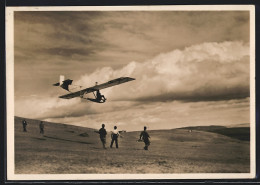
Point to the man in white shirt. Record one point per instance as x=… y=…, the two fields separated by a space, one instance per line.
x=114 y=137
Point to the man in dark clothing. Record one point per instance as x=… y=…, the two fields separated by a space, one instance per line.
x=41 y=127
x=114 y=137
x=102 y=134
x=145 y=137
x=100 y=96
x=24 y=126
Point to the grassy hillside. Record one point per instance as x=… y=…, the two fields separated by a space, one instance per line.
x=241 y=133
x=66 y=149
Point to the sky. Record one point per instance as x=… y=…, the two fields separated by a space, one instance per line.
x=192 y=68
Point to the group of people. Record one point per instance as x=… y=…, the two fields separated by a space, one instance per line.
x=144 y=136
x=41 y=126
x=114 y=136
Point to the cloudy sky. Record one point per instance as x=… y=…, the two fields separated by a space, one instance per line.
x=191 y=67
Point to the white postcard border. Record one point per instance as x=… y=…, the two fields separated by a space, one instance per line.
x=10 y=94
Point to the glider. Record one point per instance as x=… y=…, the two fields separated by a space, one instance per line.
x=99 y=98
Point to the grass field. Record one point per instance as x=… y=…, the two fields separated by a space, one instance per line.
x=66 y=149
x=241 y=133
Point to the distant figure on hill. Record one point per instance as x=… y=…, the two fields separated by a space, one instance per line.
x=41 y=127
x=114 y=137
x=24 y=126
x=145 y=137
x=102 y=134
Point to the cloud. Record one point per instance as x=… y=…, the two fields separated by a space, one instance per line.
x=179 y=82
x=50 y=43
x=190 y=66
x=167 y=115
x=53 y=107
x=108 y=33
x=209 y=71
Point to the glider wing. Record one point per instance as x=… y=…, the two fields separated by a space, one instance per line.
x=110 y=83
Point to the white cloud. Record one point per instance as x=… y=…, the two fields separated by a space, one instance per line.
x=209 y=71
x=168 y=115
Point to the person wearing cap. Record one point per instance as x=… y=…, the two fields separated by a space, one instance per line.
x=102 y=134
x=114 y=137
x=145 y=137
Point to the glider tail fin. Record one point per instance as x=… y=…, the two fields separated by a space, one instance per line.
x=63 y=83
x=62 y=78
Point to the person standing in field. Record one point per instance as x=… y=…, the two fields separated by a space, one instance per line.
x=41 y=127
x=24 y=125
x=145 y=137
x=102 y=134
x=114 y=137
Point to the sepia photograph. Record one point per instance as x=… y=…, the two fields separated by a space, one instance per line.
x=123 y=92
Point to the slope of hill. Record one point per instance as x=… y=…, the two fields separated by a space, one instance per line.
x=240 y=132
x=66 y=149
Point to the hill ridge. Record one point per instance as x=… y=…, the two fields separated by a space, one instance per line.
x=239 y=132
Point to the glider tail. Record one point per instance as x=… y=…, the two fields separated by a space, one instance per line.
x=63 y=83
x=62 y=78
